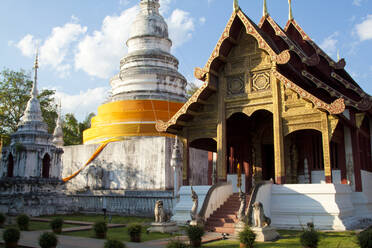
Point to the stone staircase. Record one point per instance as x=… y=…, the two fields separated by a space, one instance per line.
x=224 y=218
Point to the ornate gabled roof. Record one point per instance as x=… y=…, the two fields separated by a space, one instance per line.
x=301 y=66
x=311 y=58
x=227 y=39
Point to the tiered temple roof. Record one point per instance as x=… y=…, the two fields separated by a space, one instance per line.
x=300 y=64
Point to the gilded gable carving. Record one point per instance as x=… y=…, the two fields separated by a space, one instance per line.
x=261 y=81
x=235 y=85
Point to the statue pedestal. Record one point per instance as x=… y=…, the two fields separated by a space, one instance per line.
x=165 y=227
x=239 y=227
x=265 y=234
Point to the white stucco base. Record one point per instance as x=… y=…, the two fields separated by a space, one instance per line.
x=328 y=206
x=137 y=164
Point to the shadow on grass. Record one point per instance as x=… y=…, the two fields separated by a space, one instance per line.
x=122 y=234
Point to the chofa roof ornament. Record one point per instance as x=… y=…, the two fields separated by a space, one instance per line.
x=236 y=5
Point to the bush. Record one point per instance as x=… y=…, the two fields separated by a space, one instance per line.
x=195 y=232
x=100 y=228
x=365 y=238
x=23 y=221
x=134 y=231
x=247 y=237
x=56 y=225
x=176 y=243
x=309 y=238
x=48 y=240
x=114 y=244
x=11 y=235
x=2 y=220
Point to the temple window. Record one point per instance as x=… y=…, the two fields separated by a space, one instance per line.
x=10 y=166
x=46 y=166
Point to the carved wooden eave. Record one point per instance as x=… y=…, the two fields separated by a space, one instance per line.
x=363 y=105
x=169 y=126
x=337 y=65
x=340 y=65
x=251 y=29
x=337 y=107
x=310 y=61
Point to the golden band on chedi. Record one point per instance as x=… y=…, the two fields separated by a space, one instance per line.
x=129 y=118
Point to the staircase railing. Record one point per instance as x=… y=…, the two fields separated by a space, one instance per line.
x=252 y=199
x=215 y=197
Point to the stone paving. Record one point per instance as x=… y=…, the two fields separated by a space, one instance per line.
x=30 y=239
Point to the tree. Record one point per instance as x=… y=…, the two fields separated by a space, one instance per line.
x=73 y=130
x=191 y=89
x=15 y=88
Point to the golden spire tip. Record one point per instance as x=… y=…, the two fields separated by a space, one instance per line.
x=265 y=12
x=290 y=17
x=236 y=5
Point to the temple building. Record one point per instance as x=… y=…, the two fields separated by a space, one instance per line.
x=30 y=168
x=274 y=103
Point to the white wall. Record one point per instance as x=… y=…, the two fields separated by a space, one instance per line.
x=327 y=205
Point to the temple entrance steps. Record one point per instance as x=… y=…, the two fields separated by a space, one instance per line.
x=223 y=220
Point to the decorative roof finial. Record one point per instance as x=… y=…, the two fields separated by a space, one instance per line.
x=290 y=17
x=338 y=55
x=34 y=92
x=265 y=12
x=236 y=5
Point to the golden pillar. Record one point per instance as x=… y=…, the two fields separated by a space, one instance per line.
x=278 y=132
x=185 y=166
x=221 y=130
x=326 y=148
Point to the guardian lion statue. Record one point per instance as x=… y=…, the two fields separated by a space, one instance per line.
x=160 y=215
x=260 y=220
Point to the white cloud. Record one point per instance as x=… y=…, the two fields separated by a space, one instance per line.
x=99 y=54
x=57 y=45
x=181 y=25
x=329 y=44
x=164 y=6
x=55 y=48
x=357 y=2
x=364 y=29
x=202 y=20
x=83 y=103
x=27 y=45
x=124 y=2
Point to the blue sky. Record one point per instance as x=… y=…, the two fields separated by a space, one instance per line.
x=81 y=42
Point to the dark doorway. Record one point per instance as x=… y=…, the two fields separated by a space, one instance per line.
x=46 y=166
x=10 y=166
x=268 y=162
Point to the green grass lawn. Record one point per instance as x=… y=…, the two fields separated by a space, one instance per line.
x=291 y=239
x=93 y=218
x=37 y=225
x=121 y=234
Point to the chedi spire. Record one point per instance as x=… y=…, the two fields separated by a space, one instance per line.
x=33 y=111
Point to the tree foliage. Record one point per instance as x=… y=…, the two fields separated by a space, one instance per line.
x=191 y=89
x=15 y=88
x=73 y=129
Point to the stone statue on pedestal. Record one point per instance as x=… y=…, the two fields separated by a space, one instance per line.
x=162 y=223
x=262 y=223
x=243 y=202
